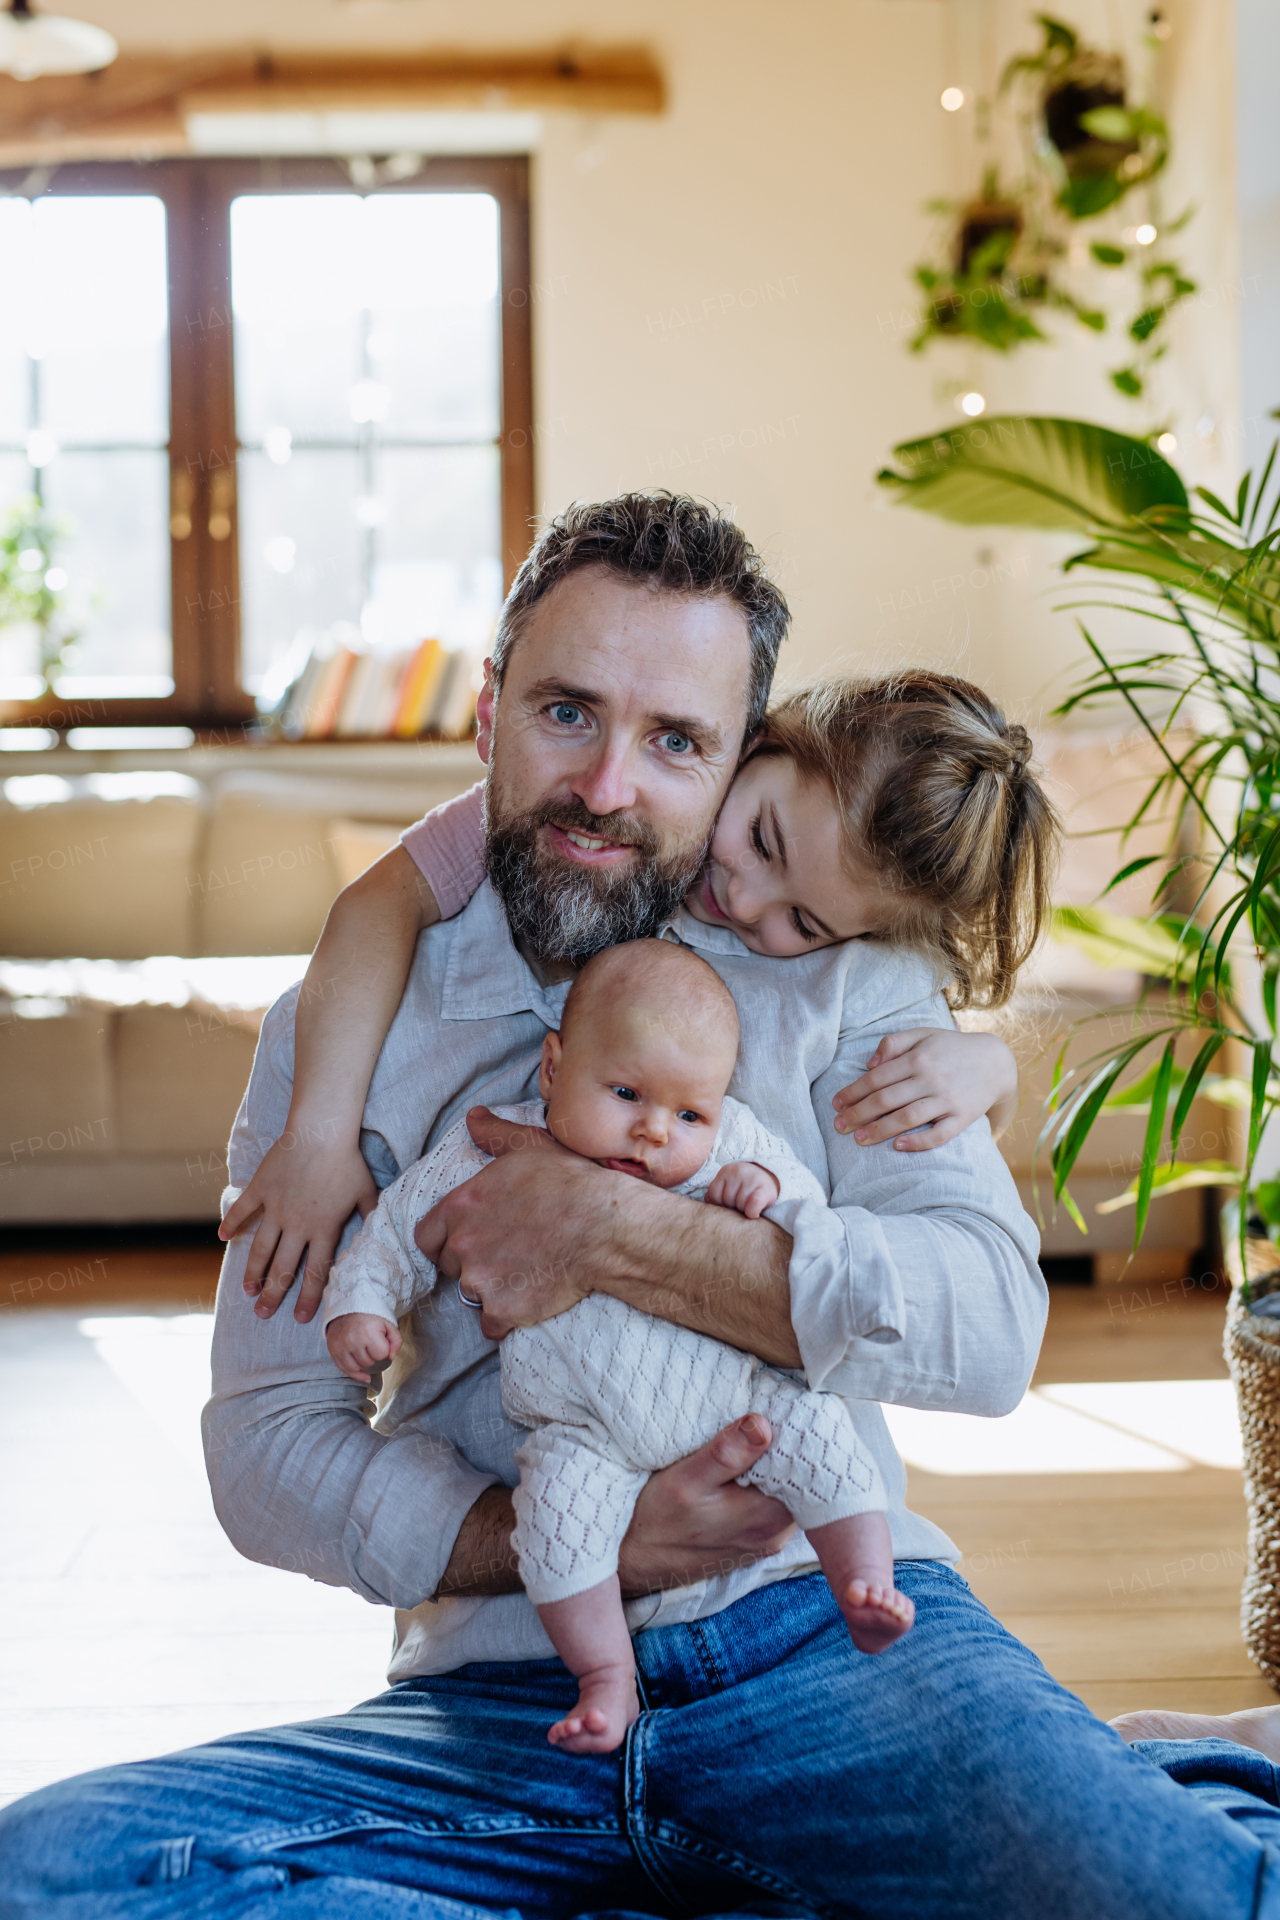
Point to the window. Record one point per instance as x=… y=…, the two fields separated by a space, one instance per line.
x=261 y=404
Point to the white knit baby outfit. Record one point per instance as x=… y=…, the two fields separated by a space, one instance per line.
x=612 y=1394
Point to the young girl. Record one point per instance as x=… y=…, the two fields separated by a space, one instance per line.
x=902 y=809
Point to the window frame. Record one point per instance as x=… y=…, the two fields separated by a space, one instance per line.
x=197 y=194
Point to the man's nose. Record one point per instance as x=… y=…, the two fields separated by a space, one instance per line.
x=608 y=784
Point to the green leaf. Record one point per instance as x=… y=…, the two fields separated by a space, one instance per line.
x=1190 y=1086
x=1108 y=256
x=1067 y=1151
x=1034 y=472
x=1071 y=1207
x=1257 y=1108
x=1127 y=873
x=1146 y=323
x=1128 y=382
x=1211 y=499
x=1136 y=1098
x=1151 y=1144
x=1112 y=124
x=1116 y=940
x=1181 y=1177
x=1266 y=1198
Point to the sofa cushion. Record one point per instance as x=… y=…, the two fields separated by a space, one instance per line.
x=99 y=864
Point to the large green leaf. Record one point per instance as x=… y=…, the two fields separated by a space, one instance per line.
x=1013 y=470
x=1179 y=1178
x=1115 y=940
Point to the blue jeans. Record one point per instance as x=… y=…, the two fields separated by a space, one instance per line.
x=774 y=1770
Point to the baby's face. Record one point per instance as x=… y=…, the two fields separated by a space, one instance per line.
x=638 y=1095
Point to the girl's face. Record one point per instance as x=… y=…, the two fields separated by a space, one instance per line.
x=775 y=876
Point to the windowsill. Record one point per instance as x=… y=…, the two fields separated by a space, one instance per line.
x=214 y=754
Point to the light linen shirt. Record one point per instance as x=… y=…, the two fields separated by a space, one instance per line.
x=916 y=1284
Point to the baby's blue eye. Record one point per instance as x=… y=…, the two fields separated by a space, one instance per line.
x=689 y=1117
x=626 y=1093
x=566 y=713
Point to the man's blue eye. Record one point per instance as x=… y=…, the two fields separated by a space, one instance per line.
x=676 y=742
x=567 y=714
x=626 y=1093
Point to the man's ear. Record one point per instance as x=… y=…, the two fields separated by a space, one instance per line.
x=551 y=1051
x=484 y=715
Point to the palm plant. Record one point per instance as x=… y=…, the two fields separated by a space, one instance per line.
x=1207 y=692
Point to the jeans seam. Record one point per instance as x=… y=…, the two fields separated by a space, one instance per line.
x=680 y=1839
x=278 y=1838
x=637 y=1819
x=705 y=1655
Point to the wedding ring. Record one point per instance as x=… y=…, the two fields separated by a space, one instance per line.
x=467 y=1301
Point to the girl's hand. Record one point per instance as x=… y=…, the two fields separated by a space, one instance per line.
x=745 y=1187
x=934 y=1079
x=302 y=1194
x=361 y=1341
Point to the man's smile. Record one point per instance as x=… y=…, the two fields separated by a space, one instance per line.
x=588 y=848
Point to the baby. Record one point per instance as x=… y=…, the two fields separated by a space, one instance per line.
x=636 y=1080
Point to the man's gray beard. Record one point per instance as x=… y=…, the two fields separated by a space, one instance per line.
x=565 y=913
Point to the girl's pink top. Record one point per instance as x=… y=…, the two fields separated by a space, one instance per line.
x=447 y=848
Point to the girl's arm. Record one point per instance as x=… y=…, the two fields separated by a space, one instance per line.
x=932 y=1079
x=314 y=1177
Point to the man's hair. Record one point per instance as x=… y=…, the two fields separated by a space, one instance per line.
x=674 y=543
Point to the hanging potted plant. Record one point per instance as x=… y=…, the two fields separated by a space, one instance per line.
x=1010 y=256
x=1205 y=687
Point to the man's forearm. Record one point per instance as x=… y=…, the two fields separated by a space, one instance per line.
x=483 y=1560
x=703 y=1267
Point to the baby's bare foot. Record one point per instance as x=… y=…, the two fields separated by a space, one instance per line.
x=607 y=1704
x=876 y=1616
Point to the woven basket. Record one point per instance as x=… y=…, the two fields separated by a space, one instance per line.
x=1252 y=1349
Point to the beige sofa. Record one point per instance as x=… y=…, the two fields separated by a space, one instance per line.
x=190 y=895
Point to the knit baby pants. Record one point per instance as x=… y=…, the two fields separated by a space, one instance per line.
x=612 y=1395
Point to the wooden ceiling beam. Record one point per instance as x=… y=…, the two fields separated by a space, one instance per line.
x=138 y=106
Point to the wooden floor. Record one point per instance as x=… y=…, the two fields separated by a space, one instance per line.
x=1127 y=1585
x=131 y=1626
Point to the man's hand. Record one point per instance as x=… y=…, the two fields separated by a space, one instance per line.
x=305 y=1195
x=536 y=1192
x=691 y=1522
x=541 y=1228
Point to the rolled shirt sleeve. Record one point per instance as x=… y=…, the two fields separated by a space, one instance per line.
x=300 y=1479
x=920 y=1282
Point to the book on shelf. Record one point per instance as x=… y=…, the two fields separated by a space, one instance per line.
x=418 y=692
x=347 y=693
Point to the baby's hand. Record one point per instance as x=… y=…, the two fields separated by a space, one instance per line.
x=362 y=1341
x=745 y=1187
x=931 y=1078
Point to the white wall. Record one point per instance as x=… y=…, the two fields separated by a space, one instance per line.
x=723 y=290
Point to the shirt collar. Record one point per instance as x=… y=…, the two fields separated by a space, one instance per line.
x=486 y=976
x=696 y=933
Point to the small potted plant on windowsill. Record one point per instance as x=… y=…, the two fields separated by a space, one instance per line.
x=33 y=585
